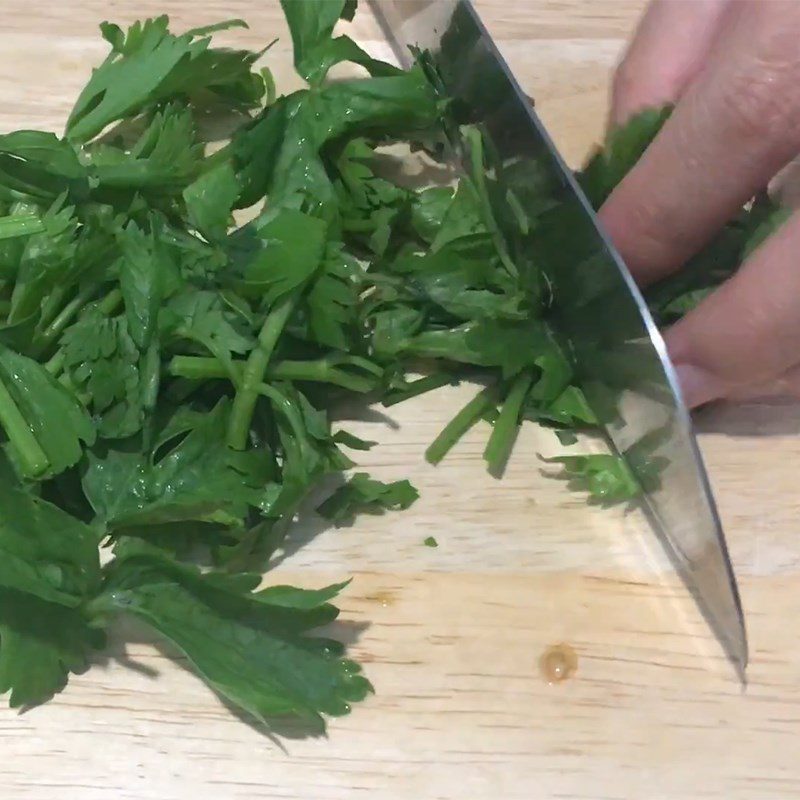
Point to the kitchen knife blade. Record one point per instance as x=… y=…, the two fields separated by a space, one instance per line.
x=617 y=351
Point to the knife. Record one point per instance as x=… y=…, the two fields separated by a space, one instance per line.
x=617 y=351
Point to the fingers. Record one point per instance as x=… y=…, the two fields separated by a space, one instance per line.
x=669 y=47
x=785 y=385
x=747 y=333
x=735 y=126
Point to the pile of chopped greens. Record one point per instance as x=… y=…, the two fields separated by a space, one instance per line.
x=166 y=376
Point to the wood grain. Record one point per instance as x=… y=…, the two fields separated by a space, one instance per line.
x=451 y=637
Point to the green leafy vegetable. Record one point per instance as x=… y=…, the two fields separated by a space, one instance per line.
x=230 y=633
x=168 y=375
x=501 y=441
x=40 y=644
x=148 y=65
x=191 y=477
x=362 y=494
x=608 y=478
x=624 y=146
x=45 y=425
x=471 y=414
x=210 y=201
x=315 y=49
x=50 y=570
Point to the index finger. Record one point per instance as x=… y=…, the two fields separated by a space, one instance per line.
x=736 y=125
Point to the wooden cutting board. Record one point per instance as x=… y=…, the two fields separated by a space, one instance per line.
x=453 y=637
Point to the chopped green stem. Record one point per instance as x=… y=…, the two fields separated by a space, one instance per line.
x=220 y=355
x=505 y=427
x=460 y=424
x=318 y=371
x=199 y=368
x=32 y=458
x=269 y=85
x=106 y=307
x=56 y=363
x=67 y=314
x=354 y=383
x=244 y=402
x=66 y=381
x=150 y=372
x=363 y=363
x=53 y=303
x=284 y=405
x=20 y=225
x=418 y=387
x=478 y=174
x=519 y=213
x=138 y=174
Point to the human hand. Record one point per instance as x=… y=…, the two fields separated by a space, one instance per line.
x=732 y=68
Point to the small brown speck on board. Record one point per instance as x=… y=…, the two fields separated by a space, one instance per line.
x=383 y=598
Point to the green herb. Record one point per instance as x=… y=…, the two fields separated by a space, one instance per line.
x=230 y=632
x=430 y=542
x=501 y=441
x=471 y=414
x=606 y=477
x=362 y=494
x=167 y=377
x=566 y=437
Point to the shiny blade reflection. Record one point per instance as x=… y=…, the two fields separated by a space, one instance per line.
x=618 y=353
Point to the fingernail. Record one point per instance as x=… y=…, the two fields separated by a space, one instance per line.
x=698 y=385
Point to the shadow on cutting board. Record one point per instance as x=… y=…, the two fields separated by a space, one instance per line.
x=128 y=630
x=771 y=417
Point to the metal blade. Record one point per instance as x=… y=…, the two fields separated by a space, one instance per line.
x=618 y=353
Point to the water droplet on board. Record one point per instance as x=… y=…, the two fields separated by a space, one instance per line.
x=384 y=598
x=558 y=663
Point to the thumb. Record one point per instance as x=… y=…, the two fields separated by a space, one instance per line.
x=748 y=331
